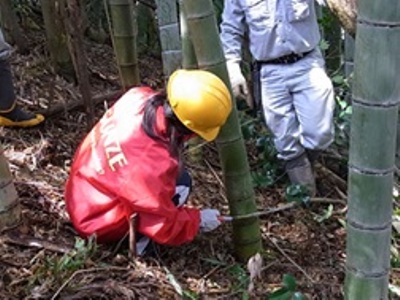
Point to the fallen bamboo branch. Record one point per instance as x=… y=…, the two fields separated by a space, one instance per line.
x=35 y=243
x=65 y=107
x=282 y=208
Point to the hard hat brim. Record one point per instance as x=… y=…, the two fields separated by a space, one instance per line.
x=209 y=135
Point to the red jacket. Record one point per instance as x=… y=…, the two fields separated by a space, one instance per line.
x=118 y=170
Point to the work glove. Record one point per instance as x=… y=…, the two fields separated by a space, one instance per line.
x=209 y=219
x=238 y=83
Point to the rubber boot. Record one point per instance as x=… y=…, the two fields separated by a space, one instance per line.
x=313 y=155
x=10 y=114
x=300 y=171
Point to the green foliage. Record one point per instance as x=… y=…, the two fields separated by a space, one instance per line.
x=326 y=20
x=218 y=8
x=265 y=174
x=327 y=213
x=342 y=123
x=238 y=272
x=184 y=294
x=174 y=282
x=288 y=290
x=29 y=13
x=297 y=193
x=96 y=15
x=241 y=276
x=74 y=260
x=343 y=111
x=323 y=45
x=265 y=167
x=56 y=268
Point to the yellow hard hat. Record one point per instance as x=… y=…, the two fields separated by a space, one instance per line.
x=200 y=100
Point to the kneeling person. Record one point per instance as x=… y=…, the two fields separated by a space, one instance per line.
x=131 y=162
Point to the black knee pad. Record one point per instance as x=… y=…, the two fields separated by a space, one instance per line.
x=183 y=188
x=185 y=179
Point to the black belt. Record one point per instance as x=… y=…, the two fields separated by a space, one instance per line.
x=286 y=59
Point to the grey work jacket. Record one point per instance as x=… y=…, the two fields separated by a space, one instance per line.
x=275 y=28
x=5 y=49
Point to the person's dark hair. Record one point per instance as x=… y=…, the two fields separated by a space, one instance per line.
x=176 y=131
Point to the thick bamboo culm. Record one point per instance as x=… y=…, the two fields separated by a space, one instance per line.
x=168 y=24
x=376 y=95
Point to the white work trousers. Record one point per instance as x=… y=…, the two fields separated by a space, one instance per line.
x=298 y=103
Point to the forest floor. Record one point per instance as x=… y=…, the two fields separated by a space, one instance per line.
x=41 y=258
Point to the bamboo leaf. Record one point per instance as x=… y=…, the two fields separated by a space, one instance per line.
x=326 y=215
x=174 y=282
x=289 y=282
x=214 y=262
x=281 y=294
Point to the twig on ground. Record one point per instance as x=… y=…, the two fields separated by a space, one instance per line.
x=35 y=243
x=341 y=194
x=5 y=229
x=328 y=200
x=203 y=280
x=268 y=266
x=85 y=271
x=290 y=259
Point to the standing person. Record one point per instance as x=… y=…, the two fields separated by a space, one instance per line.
x=131 y=162
x=11 y=115
x=296 y=93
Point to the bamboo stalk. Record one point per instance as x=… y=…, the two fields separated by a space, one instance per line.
x=122 y=22
x=232 y=152
x=376 y=97
x=169 y=36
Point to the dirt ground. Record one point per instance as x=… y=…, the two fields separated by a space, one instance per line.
x=36 y=256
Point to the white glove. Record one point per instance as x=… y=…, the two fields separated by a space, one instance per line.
x=321 y=2
x=209 y=219
x=238 y=83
